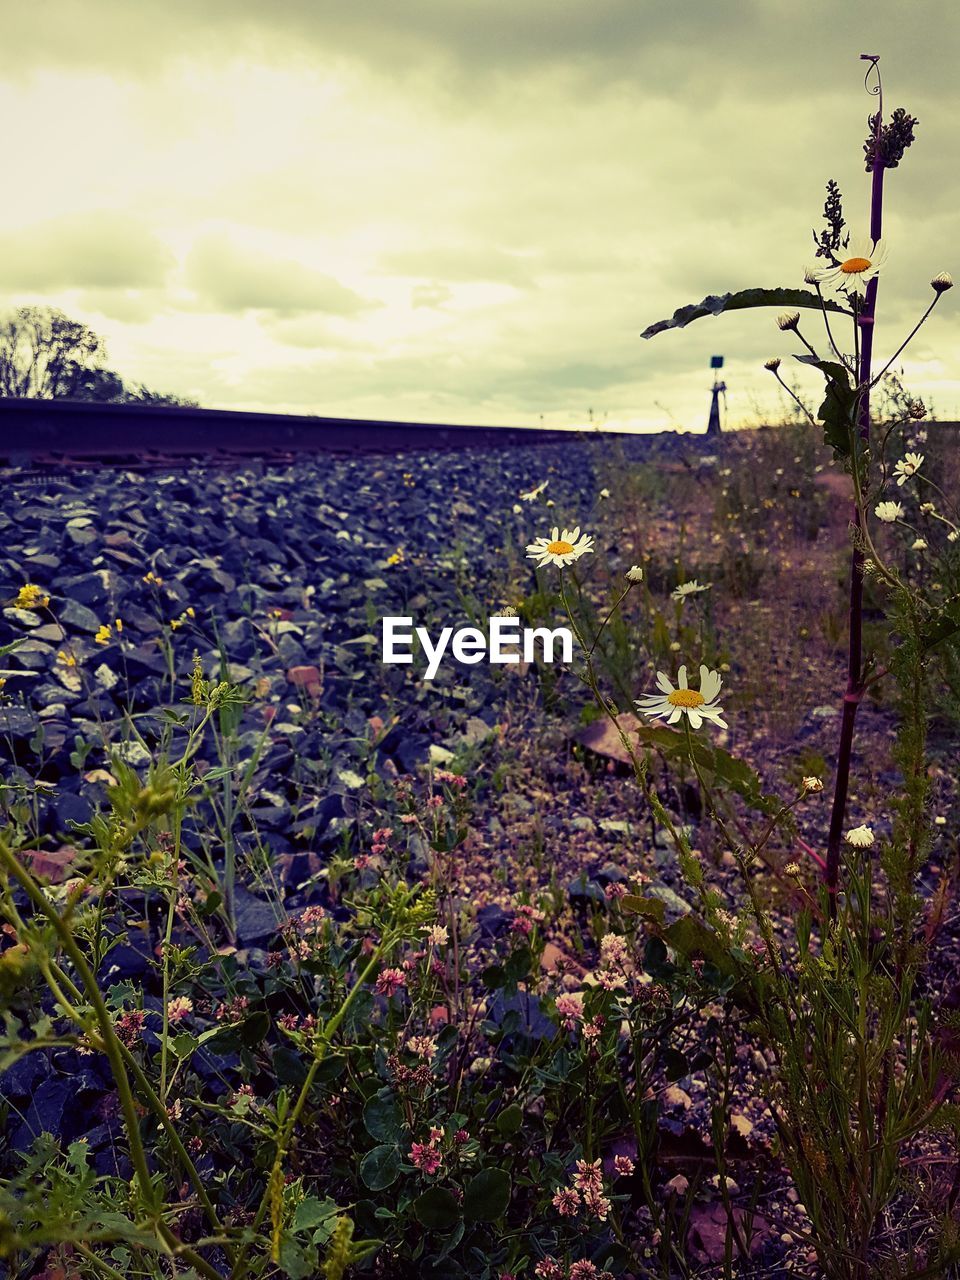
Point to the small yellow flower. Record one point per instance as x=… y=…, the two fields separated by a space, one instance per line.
x=30 y=596
x=152 y=580
x=118 y=623
x=66 y=659
x=104 y=634
x=396 y=557
x=191 y=613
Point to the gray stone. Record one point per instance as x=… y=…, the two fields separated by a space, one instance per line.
x=669 y=898
x=79 y=616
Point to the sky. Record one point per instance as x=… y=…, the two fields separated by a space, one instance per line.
x=468 y=210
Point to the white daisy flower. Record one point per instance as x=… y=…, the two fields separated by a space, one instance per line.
x=562 y=548
x=908 y=466
x=889 y=511
x=812 y=784
x=635 y=573
x=857 y=265
x=533 y=494
x=696 y=705
x=690 y=588
x=859 y=837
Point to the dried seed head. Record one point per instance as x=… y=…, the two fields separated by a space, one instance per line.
x=942 y=282
x=788 y=320
x=917 y=409
x=773 y=364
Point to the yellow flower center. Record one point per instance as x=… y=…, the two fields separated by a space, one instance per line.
x=560 y=548
x=854 y=265
x=686 y=698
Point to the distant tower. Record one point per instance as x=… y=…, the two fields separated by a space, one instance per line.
x=713 y=426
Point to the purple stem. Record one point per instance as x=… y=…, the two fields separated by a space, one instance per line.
x=854 y=690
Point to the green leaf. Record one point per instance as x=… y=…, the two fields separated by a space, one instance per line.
x=382 y=1118
x=655 y=959
x=221 y=771
x=289 y=1065
x=213 y=1032
x=714 y=304
x=380 y=1167
x=297 y=1262
x=651 y=907
x=331 y=1068
x=311 y=1212
x=493 y=977
x=690 y=936
x=509 y=1120
x=725 y=768
x=184 y=1044
x=675 y=1064
x=14 y=644
x=944 y=624
x=839 y=409
x=121 y=993
x=255 y=1028
x=213 y=902
x=436 y=1209
x=517 y=968
x=487 y=1195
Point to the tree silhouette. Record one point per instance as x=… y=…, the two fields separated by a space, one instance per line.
x=44 y=355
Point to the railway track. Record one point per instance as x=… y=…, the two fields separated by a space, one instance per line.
x=46 y=435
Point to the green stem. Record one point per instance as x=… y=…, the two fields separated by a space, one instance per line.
x=113 y=1050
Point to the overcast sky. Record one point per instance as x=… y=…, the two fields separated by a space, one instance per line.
x=465 y=210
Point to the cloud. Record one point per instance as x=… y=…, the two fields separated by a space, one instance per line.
x=466 y=209
x=229 y=277
x=699 y=47
x=449 y=263
x=88 y=250
x=430 y=295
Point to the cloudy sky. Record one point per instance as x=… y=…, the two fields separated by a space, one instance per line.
x=464 y=210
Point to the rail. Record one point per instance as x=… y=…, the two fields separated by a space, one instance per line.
x=57 y=433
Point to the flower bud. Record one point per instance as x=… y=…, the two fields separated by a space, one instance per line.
x=917 y=409
x=773 y=365
x=788 y=320
x=811 y=275
x=942 y=282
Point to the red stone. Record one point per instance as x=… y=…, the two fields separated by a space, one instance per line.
x=306 y=678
